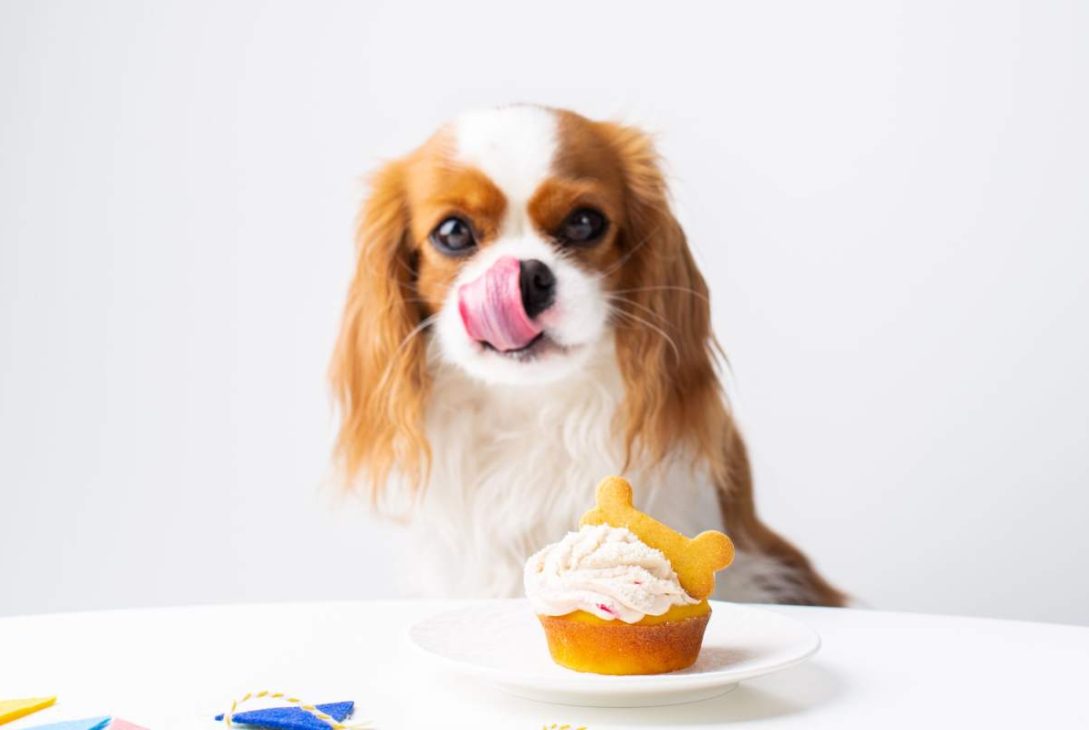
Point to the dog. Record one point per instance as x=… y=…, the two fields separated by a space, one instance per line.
x=526 y=317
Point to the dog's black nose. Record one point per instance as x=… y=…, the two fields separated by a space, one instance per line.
x=538 y=286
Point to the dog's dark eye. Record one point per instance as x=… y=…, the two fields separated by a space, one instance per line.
x=453 y=237
x=583 y=226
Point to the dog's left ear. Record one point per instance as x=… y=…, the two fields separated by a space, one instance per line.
x=664 y=341
x=379 y=369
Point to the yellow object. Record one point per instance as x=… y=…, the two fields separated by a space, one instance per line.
x=614 y=647
x=654 y=644
x=14 y=709
x=695 y=560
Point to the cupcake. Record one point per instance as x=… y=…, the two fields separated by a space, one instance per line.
x=625 y=594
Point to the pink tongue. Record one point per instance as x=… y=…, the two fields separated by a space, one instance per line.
x=491 y=307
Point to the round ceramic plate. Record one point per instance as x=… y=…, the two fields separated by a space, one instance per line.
x=502 y=642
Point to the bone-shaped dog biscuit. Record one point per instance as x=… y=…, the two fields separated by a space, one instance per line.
x=695 y=560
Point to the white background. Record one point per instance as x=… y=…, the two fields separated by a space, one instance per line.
x=889 y=200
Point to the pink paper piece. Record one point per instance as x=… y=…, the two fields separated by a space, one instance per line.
x=119 y=724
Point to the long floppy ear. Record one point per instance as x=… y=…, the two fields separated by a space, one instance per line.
x=379 y=368
x=667 y=356
x=663 y=328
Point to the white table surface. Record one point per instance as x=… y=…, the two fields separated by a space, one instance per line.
x=173 y=668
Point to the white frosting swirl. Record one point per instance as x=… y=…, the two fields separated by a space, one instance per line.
x=606 y=571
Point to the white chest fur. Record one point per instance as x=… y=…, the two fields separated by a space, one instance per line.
x=513 y=468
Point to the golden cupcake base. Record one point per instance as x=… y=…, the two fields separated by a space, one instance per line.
x=586 y=643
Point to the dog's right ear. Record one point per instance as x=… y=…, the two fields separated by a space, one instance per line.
x=673 y=399
x=379 y=369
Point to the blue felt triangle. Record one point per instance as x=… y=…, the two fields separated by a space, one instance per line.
x=292 y=718
x=88 y=723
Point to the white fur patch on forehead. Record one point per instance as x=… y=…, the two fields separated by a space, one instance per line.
x=514 y=146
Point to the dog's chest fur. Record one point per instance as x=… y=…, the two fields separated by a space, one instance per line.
x=514 y=468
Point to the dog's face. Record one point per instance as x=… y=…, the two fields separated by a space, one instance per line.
x=516 y=219
x=518 y=240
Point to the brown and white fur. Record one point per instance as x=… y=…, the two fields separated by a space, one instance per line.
x=491 y=455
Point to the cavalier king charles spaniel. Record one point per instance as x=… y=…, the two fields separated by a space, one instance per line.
x=525 y=318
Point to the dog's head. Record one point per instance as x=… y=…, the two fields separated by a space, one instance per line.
x=520 y=239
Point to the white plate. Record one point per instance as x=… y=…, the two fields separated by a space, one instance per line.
x=503 y=643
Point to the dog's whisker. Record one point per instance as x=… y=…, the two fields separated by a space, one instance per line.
x=633 y=303
x=624 y=259
x=387 y=372
x=685 y=289
x=640 y=320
